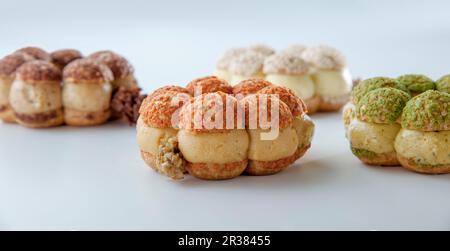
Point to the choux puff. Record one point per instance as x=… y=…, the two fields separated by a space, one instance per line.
x=295 y=49
x=291 y=71
x=416 y=83
x=157 y=131
x=63 y=57
x=361 y=89
x=223 y=63
x=249 y=86
x=8 y=67
x=423 y=143
x=247 y=65
x=208 y=84
x=262 y=49
x=122 y=70
x=36 y=53
x=35 y=95
x=212 y=140
x=86 y=93
x=372 y=133
x=443 y=84
x=331 y=76
x=302 y=123
x=273 y=138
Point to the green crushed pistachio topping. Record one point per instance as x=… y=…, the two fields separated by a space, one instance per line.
x=363 y=153
x=443 y=84
x=382 y=106
x=416 y=83
x=375 y=83
x=429 y=111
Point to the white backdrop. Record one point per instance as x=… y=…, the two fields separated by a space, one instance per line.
x=93 y=178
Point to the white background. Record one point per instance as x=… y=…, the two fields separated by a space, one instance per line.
x=93 y=178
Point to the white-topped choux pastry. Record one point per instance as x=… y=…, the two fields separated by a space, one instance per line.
x=8 y=67
x=63 y=57
x=273 y=138
x=208 y=84
x=423 y=143
x=302 y=123
x=373 y=132
x=86 y=93
x=331 y=76
x=291 y=71
x=212 y=140
x=248 y=65
x=223 y=63
x=35 y=95
x=36 y=53
x=263 y=49
x=122 y=70
x=294 y=49
x=157 y=131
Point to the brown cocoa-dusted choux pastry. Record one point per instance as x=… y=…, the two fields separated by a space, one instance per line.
x=211 y=138
x=8 y=67
x=35 y=95
x=273 y=139
x=86 y=93
x=157 y=132
x=36 y=53
x=291 y=71
x=250 y=86
x=331 y=76
x=63 y=57
x=122 y=70
x=303 y=125
x=208 y=84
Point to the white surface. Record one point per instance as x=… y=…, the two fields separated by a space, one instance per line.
x=93 y=178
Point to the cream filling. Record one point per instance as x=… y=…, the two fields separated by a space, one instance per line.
x=304 y=127
x=35 y=98
x=218 y=148
x=149 y=138
x=428 y=148
x=5 y=87
x=302 y=85
x=332 y=83
x=378 y=138
x=236 y=79
x=87 y=97
x=222 y=74
x=348 y=114
x=283 y=146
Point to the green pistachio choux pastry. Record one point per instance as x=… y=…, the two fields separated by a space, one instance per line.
x=443 y=84
x=423 y=143
x=373 y=131
x=416 y=83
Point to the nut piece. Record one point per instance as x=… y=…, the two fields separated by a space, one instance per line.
x=170 y=160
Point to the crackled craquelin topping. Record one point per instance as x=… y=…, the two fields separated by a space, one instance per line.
x=65 y=56
x=10 y=63
x=247 y=64
x=39 y=71
x=201 y=114
x=119 y=66
x=87 y=70
x=295 y=104
x=224 y=61
x=429 y=111
x=443 y=84
x=36 y=53
x=159 y=110
x=284 y=63
x=295 y=49
x=262 y=49
x=371 y=84
x=250 y=86
x=168 y=88
x=324 y=57
x=208 y=84
x=416 y=83
x=382 y=106
x=256 y=105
